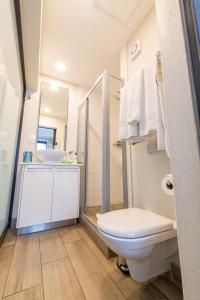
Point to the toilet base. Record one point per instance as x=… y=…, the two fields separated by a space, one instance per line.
x=154 y=260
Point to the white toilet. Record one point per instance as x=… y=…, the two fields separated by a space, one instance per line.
x=147 y=240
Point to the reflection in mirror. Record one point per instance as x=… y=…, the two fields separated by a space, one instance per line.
x=52 y=127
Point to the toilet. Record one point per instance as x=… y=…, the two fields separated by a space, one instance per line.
x=147 y=240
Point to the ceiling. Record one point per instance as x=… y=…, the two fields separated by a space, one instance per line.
x=54 y=99
x=87 y=35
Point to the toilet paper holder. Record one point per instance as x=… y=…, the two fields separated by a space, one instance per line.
x=167 y=185
x=170 y=185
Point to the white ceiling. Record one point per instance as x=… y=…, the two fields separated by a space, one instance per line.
x=87 y=36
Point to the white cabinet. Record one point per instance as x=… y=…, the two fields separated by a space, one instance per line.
x=65 y=194
x=48 y=194
x=36 y=196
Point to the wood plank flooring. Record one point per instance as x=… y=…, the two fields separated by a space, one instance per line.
x=60 y=281
x=95 y=281
x=35 y=293
x=51 y=246
x=66 y=264
x=25 y=269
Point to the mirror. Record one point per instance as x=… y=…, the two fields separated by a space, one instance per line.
x=52 y=127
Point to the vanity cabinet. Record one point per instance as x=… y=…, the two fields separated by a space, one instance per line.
x=36 y=196
x=65 y=194
x=48 y=194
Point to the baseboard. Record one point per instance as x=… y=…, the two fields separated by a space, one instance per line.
x=3 y=235
x=174 y=275
x=46 y=226
x=95 y=236
x=13 y=223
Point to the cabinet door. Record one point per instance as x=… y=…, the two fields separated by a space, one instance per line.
x=36 y=196
x=65 y=194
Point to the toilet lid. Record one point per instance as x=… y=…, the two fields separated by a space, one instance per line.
x=133 y=223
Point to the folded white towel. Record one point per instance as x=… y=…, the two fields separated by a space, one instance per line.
x=160 y=125
x=148 y=118
x=130 y=108
x=142 y=110
x=123 y=128
x=135 y=93
x=162 y=131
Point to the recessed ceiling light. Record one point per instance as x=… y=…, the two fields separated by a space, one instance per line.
x=54 y=87
x=47 y=109
x=60 y=66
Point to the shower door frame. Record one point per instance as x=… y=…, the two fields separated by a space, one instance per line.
x=104 y=77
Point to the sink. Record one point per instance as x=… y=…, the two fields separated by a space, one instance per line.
x=53 y=156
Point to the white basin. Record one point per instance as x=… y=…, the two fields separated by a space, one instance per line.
x=55 y=156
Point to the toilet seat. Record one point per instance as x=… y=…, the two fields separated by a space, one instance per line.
x=146 y=240
x=133 y=223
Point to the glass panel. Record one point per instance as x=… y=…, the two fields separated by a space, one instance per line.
x=116 y=183
x=81 y=150
x=94 y=154
x=10 y=105
x=81 y=134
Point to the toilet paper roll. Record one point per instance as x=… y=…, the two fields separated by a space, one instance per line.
x=167 y=185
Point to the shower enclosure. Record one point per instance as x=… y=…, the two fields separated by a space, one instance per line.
x=102 y=155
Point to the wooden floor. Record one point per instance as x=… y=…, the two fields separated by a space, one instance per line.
x=66 y=264
x=92 y=211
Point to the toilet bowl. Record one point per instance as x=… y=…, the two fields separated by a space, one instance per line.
x=147 y=240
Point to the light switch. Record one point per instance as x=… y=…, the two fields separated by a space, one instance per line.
x=31 y=138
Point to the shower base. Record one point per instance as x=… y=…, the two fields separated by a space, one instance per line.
x=91 y=211
x=92 y=231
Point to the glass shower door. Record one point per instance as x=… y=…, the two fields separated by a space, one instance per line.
x=11 y=89
x=94 y=187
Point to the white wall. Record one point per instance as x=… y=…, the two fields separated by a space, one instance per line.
x=116 y=184
x=146 y=170
x=184 y=144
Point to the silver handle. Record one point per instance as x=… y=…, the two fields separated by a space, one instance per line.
x=65 y=170
x=39 y=169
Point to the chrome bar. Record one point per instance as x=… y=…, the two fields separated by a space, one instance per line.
x=94 y=85
x=106 y=145
x=124 y=175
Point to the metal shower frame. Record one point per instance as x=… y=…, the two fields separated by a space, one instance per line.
x=104 y=77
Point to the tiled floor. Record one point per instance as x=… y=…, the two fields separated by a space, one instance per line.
x=66 y=264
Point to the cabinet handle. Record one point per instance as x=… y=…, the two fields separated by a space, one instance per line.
x=66 y=170
x=39 y=169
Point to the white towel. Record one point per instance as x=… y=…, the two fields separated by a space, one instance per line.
x=123 y=129
x=160 y=125
x=135 y=93
x=148 y=119
x=162 y=131
x=130 y=108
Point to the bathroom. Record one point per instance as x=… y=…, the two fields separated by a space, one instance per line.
x=88 y=210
